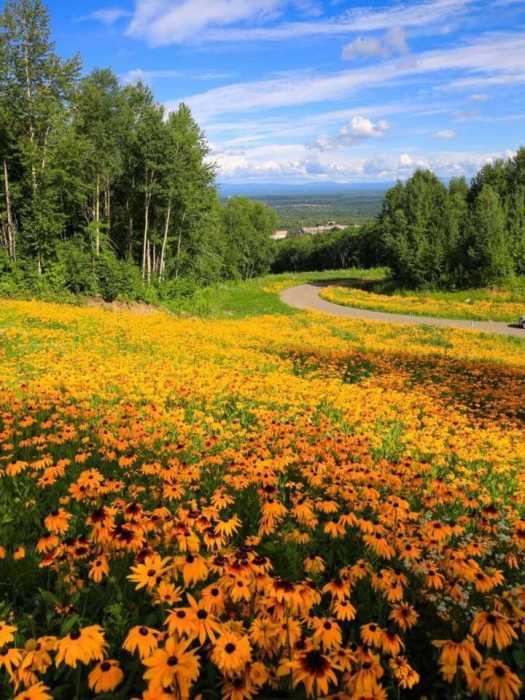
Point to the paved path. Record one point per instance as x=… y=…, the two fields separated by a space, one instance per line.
x=306 y=297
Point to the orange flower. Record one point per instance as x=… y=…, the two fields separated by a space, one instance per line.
x=231 y=652
x=404 y=616
x=498 y=681
x=372 y=634
x=143 y=640
x=327 y=633
x=84 y=645
x=314 y=670
x=39 y=691
x=493 y=628
x=105 y=677
x=172 y=666
x=7 y=633
x=148 y=574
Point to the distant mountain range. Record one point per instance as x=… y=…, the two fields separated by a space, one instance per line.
x=264 y=189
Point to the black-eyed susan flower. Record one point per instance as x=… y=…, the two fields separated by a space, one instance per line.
x=141 y=639
x=314 y=670
x=38 y=691
x=498 y=681
x=106 y=676
x=82 y=645
x=173 y=665
x=404 y=616
x=7 y=633
x=231 y=653
x=493 y=628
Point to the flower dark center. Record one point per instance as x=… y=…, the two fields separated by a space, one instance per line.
x=173 y=661
x=315 y=663
x=75 y=635
x=143 y=631
x=105 y=666
x=229 y=648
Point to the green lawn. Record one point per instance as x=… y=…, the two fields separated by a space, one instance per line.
x=259 y=296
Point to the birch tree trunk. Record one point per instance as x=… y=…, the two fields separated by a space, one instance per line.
x=179 y=245
x=11 y=242
x=147 y=200
x=97 y=217
x=162 y=262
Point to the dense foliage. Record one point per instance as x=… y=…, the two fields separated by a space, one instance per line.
x=431 y=234
x=352 y=247
x=278 y=507
x=458 y=235
x=103 y=191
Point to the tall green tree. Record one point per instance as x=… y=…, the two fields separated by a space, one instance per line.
x=190 y=196
x=36 y=87
x=98 y=111
x=487 y=250
x=248 y=226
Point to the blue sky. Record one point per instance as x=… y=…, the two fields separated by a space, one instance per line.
x=297 y=91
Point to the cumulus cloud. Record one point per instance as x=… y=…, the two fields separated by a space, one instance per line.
x=295 y=163
x=359 y=129
x=393 y=42
x=445 y=134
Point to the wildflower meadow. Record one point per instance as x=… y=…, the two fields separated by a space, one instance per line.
x=271 y=507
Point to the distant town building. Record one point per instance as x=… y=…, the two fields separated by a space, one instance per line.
x=279 y=235
x=324 y=228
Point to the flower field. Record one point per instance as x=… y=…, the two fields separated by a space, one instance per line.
x=480 y=305
x=274 y=507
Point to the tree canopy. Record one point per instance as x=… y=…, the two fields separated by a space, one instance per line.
x=102 y=188
x=456 y=235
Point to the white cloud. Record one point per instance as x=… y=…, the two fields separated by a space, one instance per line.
x=479 y=97
x=363 y=46
x=358 y=130
x=295 y=163
x=108 y=15
x=445 y=134
x=162 y=22
x=491 y=57
x=361 y=127
x=393 y=42
x=148 y=76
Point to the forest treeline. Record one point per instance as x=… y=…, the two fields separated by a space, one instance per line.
x=431 y=234
x=103 y=191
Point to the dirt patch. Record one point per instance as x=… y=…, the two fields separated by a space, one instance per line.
x=135 y=307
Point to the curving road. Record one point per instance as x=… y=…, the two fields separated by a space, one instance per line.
x=306 y=297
